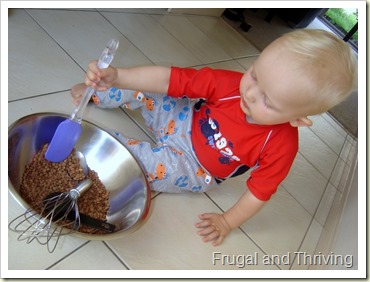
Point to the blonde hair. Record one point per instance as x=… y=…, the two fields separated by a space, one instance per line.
x=329 y=64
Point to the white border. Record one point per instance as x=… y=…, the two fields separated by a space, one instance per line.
x=360 y=273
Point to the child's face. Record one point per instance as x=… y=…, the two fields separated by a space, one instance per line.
x=272 y=91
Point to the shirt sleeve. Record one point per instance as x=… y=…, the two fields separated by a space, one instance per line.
x=203 y=83
x=274 y=164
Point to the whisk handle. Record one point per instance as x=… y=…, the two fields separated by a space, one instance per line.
x=80 y=189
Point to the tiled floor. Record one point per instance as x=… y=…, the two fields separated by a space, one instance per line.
x=48 y=52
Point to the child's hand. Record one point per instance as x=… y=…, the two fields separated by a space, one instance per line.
x=214 y=228
x=100 y=79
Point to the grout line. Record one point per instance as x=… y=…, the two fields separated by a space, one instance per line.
x=68 y=255
x=56 y=42
x=317 y=169
x=37 y=96
x=137 y=47
x=322 y=140
x=136 y=12
x=318 y=206
x=115 y=254
x=300 y=245
x=312 y=216
x=138 y=124
x=213 y=201
x=328 y=179
x=330 y=118
x=174 y=37
x=225 y=61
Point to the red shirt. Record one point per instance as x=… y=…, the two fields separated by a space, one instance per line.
x=224 y=141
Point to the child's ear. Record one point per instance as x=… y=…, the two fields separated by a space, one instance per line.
x=302 y=121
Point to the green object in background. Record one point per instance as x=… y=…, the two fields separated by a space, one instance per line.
x=343 y=19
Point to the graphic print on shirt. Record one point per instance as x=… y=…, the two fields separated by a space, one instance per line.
x=211 y=131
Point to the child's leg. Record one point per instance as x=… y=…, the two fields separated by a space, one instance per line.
x=163 y=115
x=171 y=166
x=168 y=169
x=111 y=98
x=114 y=98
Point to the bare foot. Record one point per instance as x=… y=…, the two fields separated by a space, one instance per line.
x=77 y=92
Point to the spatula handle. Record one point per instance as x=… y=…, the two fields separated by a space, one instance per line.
x=104 y=61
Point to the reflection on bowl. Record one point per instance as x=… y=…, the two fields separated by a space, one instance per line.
x=116 y=167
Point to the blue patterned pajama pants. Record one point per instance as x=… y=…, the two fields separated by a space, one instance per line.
x=171 y=165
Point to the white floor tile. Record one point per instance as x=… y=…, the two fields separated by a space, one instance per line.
x=308 y=247
x=340 y=174
x=33 y=256
x=332 y=136
x=347 y=238
x=168 y=240
x=325 y=204
x=335 y=124
x=281 y=220
x=316 y=152
x=155 y=11
x=226 y=37
x=92 y=256
x=227 y=65
x=349 y=151
x=279 y=228
x=37 y=65
x=247 y=62
x=192 y=38
x=305 y=184
x=84 y=35
x=152 y=39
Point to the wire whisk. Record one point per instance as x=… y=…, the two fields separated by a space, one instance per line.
x=59 y=216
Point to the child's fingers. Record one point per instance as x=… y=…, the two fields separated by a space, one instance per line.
x=90 y=83
x=206 y=231
x=93 y=66
x=205 y=216
x=218 y=241
x=203 y=223
x=213 y=236
x=92 y=77
x=206 y=220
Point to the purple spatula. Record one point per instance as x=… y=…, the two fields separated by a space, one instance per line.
x=68 y=131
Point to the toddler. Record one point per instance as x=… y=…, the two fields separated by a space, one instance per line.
x=212 y=124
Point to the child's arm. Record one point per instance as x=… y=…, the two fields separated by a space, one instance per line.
x=145 y=78
x=215 y=227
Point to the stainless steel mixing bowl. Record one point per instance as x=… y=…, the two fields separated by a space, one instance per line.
x=117 y=168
